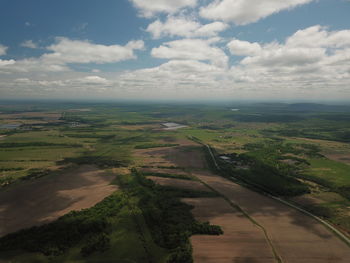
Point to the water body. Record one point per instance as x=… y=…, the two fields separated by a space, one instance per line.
x=173 y=126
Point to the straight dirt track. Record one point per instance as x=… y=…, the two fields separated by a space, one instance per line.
x=242 y=241
x=294 y=236
x=46 y=199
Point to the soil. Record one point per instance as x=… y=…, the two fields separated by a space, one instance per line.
x=296 y=237
x=179 y=183
x=46 y=199
x=242 y=241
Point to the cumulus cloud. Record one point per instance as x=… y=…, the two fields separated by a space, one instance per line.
x=184 y=27
x=93 y=80
x=192 y=49
x=66 y=51
x=243 y=48
x=3 y=50
x=306 y=47
x=148 y=8
x=318 y=36
x=76 y=51
x=4 y=63
x=243 y=12
x=311 y=63
x=29 y=44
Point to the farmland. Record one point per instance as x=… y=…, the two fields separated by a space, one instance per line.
x=131 y=183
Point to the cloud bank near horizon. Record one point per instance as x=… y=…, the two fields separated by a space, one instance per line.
x=195 y=55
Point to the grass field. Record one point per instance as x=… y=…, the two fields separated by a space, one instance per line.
x=335 y=173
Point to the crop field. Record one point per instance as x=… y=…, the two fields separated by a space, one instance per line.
x=111 y=179
x=26 y=206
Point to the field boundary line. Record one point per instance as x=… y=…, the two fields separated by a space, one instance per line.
x=238 y=208
x=338 y=233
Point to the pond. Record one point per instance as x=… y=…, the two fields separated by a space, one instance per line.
x=173 y=126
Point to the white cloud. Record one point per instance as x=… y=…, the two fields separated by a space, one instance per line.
x=304 y=66
x=243 y=12
x=280 y=55
x=6 y=62
x=192 y=49
x=93 y=80
x=3 y=50
x=29 y=44
x=76 y=51
x=184 y=27
x=211 y=29
x=243 y=48
x=318 y=36
x=175 y=79
x=66 y=51
x=306 y=47
x=312 y=63
x=148 y=8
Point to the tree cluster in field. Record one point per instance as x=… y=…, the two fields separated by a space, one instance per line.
x=37 y=144
x=266 y=171
x=89 y=226
x=269 y=118
x=279 y=177
x=100 y=161
x=167 y=175
x=171 y=221
x=275 y=148
x=330 y=132
x=155 y=145
x=32 y=174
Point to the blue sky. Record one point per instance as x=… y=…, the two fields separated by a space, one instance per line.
x=184 y=49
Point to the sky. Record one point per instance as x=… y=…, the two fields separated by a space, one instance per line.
x=178 y=50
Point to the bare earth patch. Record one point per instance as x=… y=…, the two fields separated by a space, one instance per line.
x=179 y=183
x=339 y=157
x=242 y=241
x=181 y=156
x=297 y=238
x=163 y=170
x=46 y=199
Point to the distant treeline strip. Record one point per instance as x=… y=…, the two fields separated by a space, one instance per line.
x=38 y=144
x=155 y=145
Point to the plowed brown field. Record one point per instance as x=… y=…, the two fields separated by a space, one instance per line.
x=45 y=199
